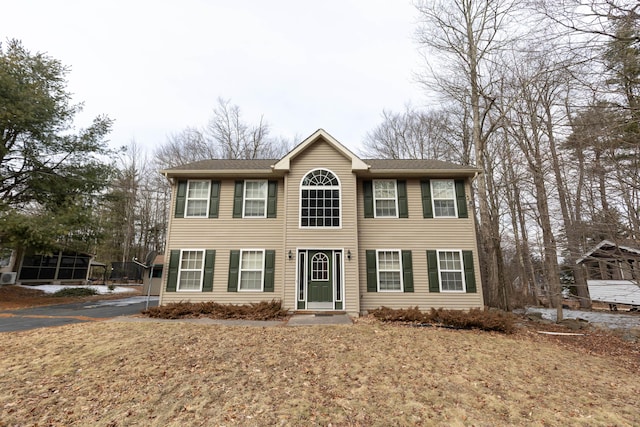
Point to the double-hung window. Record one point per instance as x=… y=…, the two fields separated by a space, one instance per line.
x=385 y=198
x=251 y=270
x=451 y=272
x=443 y=193
x=389 y=270
x=197 y=199
x=191 y=270
x=255 y=199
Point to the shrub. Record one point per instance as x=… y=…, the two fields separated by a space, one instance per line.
x=487 y=320
x=264 y=310
x=75 y=292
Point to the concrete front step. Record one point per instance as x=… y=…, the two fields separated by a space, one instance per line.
x=322 y=318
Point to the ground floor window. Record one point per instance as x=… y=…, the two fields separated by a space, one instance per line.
x=451 y=271
x=389 y=270
x=251 y=270
x=191 y=270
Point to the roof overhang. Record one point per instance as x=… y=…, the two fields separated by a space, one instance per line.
x=230 y=173
x=433 y=173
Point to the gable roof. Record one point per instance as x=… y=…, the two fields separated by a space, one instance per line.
x=626 y=246
x=356 y=163
x=263 y=167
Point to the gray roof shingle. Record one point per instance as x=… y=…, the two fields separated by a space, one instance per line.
x=265 y=164
x=412 y=164
x=226 y=164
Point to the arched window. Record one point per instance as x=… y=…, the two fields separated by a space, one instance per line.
x=320 y=267
x=320 y=199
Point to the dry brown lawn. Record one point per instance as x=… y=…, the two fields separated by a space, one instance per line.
x=369 y=374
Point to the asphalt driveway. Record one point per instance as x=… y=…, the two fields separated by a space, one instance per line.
x=64 y=314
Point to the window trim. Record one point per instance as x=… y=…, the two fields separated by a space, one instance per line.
x=265 y=199
x=262 y=270
x=188 y=199
x=303 y=187
x=400 y=270
x=180 y=270
x=325 y=273
x=461 y=271
x=375 y=199
x=454 y=199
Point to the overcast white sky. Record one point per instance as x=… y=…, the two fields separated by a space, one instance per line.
x=156 y=67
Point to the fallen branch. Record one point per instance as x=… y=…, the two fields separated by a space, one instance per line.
x=561 y=333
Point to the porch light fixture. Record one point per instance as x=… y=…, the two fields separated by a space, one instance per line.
x=290 y=254
x=349 y=254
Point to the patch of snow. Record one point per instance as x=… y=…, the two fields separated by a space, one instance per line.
x=101 y=289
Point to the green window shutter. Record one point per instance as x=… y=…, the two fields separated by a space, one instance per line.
x=461 y=199
x=209 y=262
x=372 y=272
x=432 y=266
x=214 y=199
x=269 y=270
x=234 y=271
x=172 y=277
x=272 y=199
x=181 y=199
x=367 y=190
x=407 y=271
x=238 y=196
x=427 y=207
x=469 y=273
x=403 y=206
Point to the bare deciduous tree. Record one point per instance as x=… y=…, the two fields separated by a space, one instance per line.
x=413 y=134
x=468 y=36
x=226 y=136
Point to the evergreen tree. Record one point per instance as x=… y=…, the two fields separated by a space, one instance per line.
x=51 y=175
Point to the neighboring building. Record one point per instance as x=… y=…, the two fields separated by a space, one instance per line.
x=58 y=268
x=321 y=229
x=613 y=272
x=31 y=267
x=152 y=277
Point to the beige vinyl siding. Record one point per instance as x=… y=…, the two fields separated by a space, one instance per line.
x=322 y=155
x=224 y=234
x=417 y=234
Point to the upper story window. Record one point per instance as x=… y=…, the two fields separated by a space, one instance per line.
x=385 y=198
x=443 y=193
x=255 y=199
x=320 y=199
x=197 y=199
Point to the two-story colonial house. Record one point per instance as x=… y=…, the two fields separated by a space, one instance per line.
x=323 y=230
